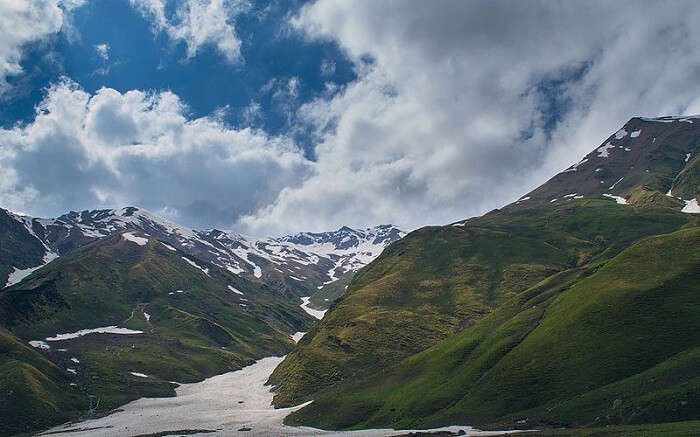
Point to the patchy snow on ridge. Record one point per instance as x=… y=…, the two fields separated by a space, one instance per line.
x=603 y=151
x=620 y=134
x=314 y=257
x=129 y=236
x=194 y=264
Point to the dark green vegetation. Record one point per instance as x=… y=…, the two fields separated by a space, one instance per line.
x=575 y=313
x=438 y=281
x=198 y=327
x=670 y=429
x=561 y=353
x=34 y=392
x=324 y=297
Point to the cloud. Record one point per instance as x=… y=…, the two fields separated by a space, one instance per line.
x=26 y=22
x=102 y=51
x=111 y=149
x=197 y=23
x=461 y=107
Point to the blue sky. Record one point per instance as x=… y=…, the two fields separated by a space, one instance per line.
x=285 y=116
x=135 y=57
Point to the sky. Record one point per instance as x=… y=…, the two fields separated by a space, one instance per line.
x=272 y=117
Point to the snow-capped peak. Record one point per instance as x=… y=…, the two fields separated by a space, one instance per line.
x=315 y=259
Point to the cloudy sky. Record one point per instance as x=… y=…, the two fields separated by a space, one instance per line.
x=284 y=116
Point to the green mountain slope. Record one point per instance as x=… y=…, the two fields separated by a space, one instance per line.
x=188 y=320
x=610 y=343
x=448 y=309
x=34 y=392
x=438 y=281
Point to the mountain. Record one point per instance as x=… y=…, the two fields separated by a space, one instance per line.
x=574 y=306
x=298 y=264
x=102 y=307
x=649 y=161
x=121 y=317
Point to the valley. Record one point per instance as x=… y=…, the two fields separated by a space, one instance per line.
x=535 y=316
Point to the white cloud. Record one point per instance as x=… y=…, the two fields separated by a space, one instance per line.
x=24 y=22
x=102 y=51
x=449 y=117
x=112 y=149
x=198 y=23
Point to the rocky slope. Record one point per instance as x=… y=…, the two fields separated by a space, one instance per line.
x=649 y=161
x=417 y=314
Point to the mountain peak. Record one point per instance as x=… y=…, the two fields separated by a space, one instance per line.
x=644 y=156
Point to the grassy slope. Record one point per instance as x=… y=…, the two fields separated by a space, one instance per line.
x=191 y=335
x=34 y=392
x=439 y=280
x=594 y=345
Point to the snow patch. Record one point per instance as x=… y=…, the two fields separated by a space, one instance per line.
x=168 y=246
x=200 y=405
x=17 y=275
x=618 y=199
x=312 y=312
x=235 y=290
x=636 y=133
x=141 y=241
x=139 y=374
x=620 y=134
x=194 y=264
x=297 y=336
x=40 y=344
x=103 y=330
x=691 y=206
x=604 y=151
x=75 y=360
x=687 y=157
x=616 y=182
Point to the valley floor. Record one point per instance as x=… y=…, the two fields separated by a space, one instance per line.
x=235 y=403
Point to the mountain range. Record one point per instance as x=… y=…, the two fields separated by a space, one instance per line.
x=300 y=263
x=102 y=307
x=574 y=307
